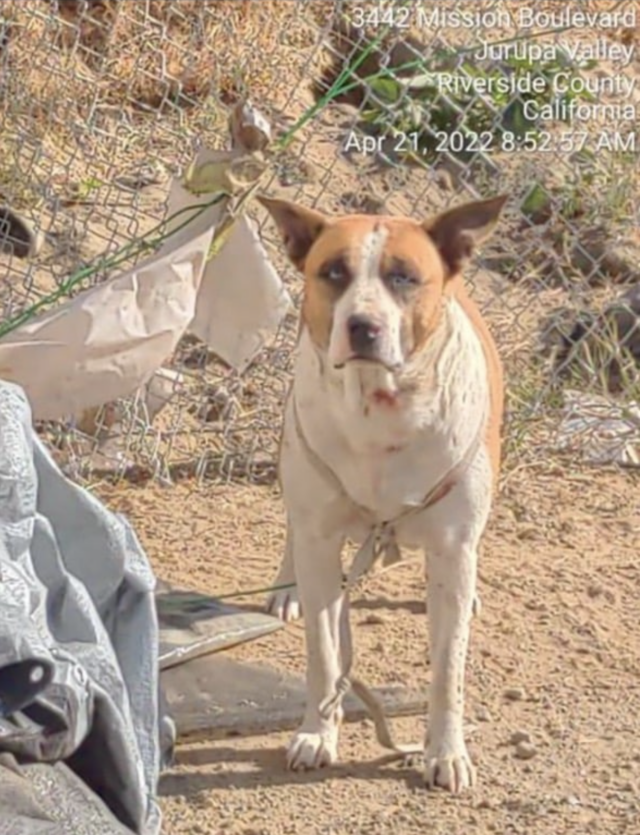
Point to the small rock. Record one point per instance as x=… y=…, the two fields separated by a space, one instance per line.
x=141 y=176
x=350 y=113
x=525 y=751
x=18 y=235
x=483 y=715
x=405 y=51
x=599 y=256
x=388 y=151
x=249 y=128
x=520 y=736
x=366 y=203
x=373 y=620
x=537 y=205
x=528 y=532
x=514 y=694
x=444 y=180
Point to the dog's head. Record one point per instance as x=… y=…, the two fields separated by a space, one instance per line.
x=374 y=286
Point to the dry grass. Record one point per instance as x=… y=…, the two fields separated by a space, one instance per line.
x=151 y=53
x=93 y=84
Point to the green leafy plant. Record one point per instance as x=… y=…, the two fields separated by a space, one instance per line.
x=400 y=104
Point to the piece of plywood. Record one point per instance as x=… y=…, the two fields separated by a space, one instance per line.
x=193 y=624
x=215 y=697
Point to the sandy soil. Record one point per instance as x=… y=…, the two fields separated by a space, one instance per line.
x=559 y=579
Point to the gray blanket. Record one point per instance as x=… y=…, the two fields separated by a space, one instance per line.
x=76 y=589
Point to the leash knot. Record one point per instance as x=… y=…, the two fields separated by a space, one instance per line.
x=333 y=703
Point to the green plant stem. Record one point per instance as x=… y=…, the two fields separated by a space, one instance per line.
x=336 y=89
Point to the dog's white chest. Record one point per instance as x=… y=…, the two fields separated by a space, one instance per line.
x=378 y=459
x=387 y=483
x=388 y=457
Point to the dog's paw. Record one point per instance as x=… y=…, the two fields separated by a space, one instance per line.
x=449 y=768
x=309 y=751
x=285 y=604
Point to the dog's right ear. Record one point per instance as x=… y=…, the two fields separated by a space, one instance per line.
x=458 y=231
x=298 y=226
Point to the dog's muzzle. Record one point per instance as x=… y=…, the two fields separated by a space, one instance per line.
x=367 y=345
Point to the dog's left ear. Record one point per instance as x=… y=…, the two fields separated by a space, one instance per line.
x=458 y=231
x=298 y=226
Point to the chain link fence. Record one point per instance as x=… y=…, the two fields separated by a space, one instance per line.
x=399 y=108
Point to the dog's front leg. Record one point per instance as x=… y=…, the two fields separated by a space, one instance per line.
x=452 y=583
x=284 y=602
x=318 y=569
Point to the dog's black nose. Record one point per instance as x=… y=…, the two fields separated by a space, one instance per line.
x=363 y=333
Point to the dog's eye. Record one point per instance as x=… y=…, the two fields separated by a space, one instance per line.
x=336 y=273
x=400 y=280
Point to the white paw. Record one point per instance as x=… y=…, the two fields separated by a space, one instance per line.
x=285 y=604
x=308 y=751
x=449 y=767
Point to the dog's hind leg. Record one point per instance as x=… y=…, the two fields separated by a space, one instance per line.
x=319 y=571
x=284 y=601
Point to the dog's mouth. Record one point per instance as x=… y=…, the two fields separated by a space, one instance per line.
x=357 y=359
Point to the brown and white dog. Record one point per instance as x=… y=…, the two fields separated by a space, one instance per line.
x=392 y=423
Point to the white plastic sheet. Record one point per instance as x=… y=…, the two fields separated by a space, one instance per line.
x=600 y=431
x=108 y=341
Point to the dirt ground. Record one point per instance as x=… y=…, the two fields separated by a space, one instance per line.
x=558 y=581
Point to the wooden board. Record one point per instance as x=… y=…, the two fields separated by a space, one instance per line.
x=193 y=624
x=215 y=697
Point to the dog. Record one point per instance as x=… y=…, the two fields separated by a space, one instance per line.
x=391 y=430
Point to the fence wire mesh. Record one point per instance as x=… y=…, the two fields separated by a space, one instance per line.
x=398 y=108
